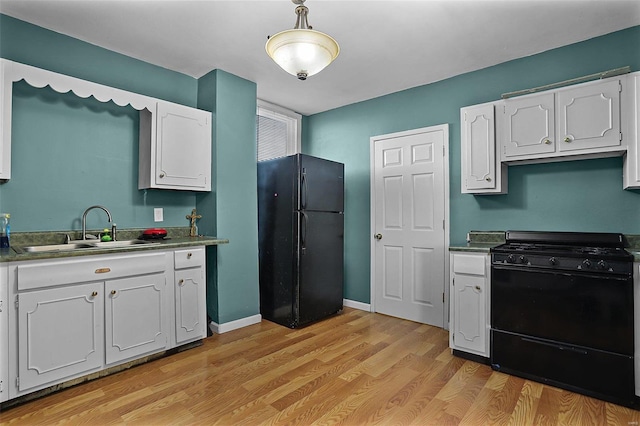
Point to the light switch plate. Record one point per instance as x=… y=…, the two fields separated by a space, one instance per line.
x=158 y=214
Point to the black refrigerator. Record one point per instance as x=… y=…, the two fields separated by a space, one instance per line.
x=301 y=239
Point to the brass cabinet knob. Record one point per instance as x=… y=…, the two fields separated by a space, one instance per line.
x=378 y=236
x=567 y=139
x=181 y=282
x=488 y=178
x=478 y=288
x=547 y=141
x=113 y=292
x=162 y=175
x=94 y=294
x=189 y=255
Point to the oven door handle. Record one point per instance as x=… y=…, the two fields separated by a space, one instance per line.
x=557 y=346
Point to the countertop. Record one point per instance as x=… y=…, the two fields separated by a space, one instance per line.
x=177 y=237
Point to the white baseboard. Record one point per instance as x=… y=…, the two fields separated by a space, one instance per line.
x=356 y=305
x=234 y=325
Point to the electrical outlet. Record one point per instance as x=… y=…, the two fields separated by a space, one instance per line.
x=158 y=214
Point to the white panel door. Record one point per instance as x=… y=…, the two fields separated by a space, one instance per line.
x=408 y=201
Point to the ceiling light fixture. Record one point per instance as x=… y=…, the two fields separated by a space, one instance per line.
x=302 y=51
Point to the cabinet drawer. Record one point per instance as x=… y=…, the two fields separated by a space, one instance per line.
x=93 y=268
x=189 y=258
x=469 y=264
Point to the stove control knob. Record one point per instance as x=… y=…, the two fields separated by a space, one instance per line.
x=586 y=263
x=522 y=259
x=553 y=261
x=603 y=265
x=511 y=259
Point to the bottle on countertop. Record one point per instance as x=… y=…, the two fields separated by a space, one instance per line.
x=5 y=230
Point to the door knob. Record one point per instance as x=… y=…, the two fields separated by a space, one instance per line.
x=378 y=236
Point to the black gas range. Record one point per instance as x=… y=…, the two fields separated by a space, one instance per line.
x=562 y=312
x=599 y=253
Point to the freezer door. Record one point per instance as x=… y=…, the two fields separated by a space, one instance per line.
x=321 y=184
x=321 y=265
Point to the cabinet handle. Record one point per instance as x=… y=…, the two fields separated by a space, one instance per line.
x=181 y=282
x=488 y=179
x=102 y=270
x=478 y=288
x=162 y=175
x=189 y=255
x=567 y=139
x=94 y=294
x=113 y=292
x=547 y=142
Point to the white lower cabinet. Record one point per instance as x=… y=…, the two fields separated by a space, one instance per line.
x=135 y=317
x=190 y=304
x=470 y=298
x=60 y=333
x=76 y=316
x=4 y=333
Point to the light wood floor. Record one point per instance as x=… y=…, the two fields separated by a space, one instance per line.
x=356 y=368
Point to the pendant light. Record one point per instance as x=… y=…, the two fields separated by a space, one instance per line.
x=302 y=51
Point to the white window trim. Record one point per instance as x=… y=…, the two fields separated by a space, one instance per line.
x=292 y=119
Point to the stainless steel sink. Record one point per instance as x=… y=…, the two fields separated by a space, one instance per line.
x=83 y=245
x=52 y=247
x=121 y=243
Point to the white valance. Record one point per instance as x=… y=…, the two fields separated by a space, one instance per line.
x=37 y=77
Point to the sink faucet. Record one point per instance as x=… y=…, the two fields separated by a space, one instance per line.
x=84 y=222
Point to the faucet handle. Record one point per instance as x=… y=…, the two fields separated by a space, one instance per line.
x=113 y=231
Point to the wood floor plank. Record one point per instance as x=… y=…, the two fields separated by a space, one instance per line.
x=356 y=368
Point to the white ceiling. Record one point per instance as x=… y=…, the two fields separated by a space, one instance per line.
x=386 y=46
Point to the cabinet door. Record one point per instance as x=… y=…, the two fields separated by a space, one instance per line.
x=470 y=314
x=135 y=317
x=529 y=126
x=191 y=318
x=60 y=333
x=183 y=147
x=478 y=148
x=589 y=116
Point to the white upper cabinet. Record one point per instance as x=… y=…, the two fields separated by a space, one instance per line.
x=175 y=140
x=6 y=96
x=631 y=125
x=175 y=148
x=574 y=122
x=529 y=126
x=482 y=171
x=589 y=116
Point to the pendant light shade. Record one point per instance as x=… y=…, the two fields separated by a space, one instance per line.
x=302 y=51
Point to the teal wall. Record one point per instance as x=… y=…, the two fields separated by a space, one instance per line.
x=233 y=103
x=582 y=195
x=69 y=153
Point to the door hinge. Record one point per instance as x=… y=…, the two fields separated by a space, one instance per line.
x=620 y=136
x=444 y=151
x=18 y=382
x=444 y=226
x=443 y=297
x=17 y=303
x=453 y=281
x=1 y=386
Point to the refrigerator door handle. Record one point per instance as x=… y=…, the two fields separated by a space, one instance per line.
x=304 y=189
x=303 y=233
